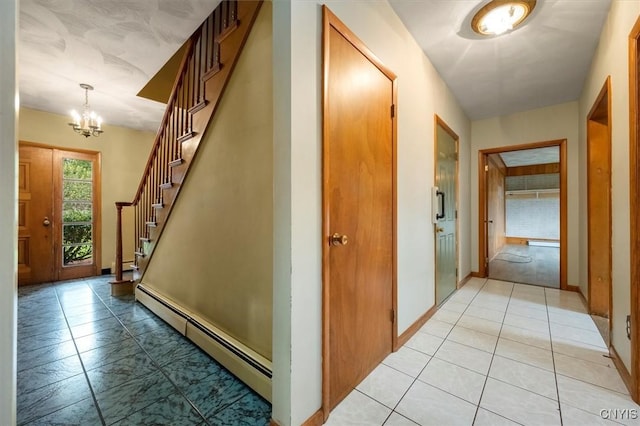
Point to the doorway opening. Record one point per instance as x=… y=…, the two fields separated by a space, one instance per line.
x=522 y=214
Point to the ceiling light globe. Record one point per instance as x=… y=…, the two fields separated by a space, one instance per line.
x=500 y=16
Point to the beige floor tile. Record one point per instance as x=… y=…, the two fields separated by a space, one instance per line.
x=447 y=316
x=487 y=418
x=524 y=376
x=527 y=354
x=396 y=419
x=523 y=311
x=575 y=417
x=519 y=405
x=577 y=334
x=528 y=337
x=427 y=405
x=358 y=409
x=479 y=324
x=596 y=374
x=573 y=319
x=464 y=356
x=425 y=343
x=527 y=323
x=437 y=328
x=593 y=399
x=453 y=306
x=386 y=385
x=456 y=380
x=485 y=313
x=583 y=351
x=476 y=339
x=407 y=360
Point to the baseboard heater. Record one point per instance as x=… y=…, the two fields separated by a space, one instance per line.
x=249 y=366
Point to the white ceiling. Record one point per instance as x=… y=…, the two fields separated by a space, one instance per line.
x=114 y=45
x=529 y=157
x=544 y=62
x=118 y=45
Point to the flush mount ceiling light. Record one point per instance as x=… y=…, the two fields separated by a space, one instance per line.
x=500 y=16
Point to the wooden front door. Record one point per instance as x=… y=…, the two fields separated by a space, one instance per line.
x=358 y=188
x=35 y=216
x=446 y=168
x=59 y=214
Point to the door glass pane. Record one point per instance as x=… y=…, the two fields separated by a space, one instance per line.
x=77 y=212
x=73 y=190
x=78 y=255
x=75 y=234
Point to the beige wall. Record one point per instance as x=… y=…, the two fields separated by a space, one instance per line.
x=124 y=156
x=611 y=58
x=538 y=125
x=8 y=206
x=214 y=257
x=297 y=142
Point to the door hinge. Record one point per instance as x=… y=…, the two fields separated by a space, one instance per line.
x=456 y=272
x=393 y=110
x=486 y=168
x=393 y=315
x=456 y=214
x=629 y=327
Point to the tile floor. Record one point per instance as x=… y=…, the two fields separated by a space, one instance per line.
x=496 y=353
x=86 y=358
x=527 y=264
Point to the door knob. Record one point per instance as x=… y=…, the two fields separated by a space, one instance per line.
x=46 y=221
x=438 y=229
x=338 y=240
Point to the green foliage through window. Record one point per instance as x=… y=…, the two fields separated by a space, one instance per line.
x=77 y=211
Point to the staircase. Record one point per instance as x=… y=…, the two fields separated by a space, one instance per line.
x=211 y=54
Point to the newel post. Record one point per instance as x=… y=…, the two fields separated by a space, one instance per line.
x=120 y=286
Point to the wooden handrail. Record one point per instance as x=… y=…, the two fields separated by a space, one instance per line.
x=165 y=119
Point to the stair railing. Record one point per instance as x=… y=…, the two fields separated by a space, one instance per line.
x=200 y=62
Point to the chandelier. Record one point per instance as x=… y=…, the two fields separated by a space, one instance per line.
x=88 y=123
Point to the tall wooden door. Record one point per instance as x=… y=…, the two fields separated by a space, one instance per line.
x=446 y=168
x=35 y=215
x=358 y=188
x=599 y=204
x=496 y=237
x=59 y=214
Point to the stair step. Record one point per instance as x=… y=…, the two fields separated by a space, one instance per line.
x=166 y=185
x=176 y=162
x=231 y=28
x=139 y=254
x=213 y=71
x=145 y=239
x=197 y=107
x=186 y=136
x=157 y=205
x=152 y=224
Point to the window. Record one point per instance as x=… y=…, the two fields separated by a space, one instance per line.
x=77 y=212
